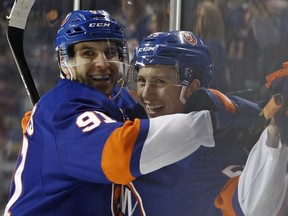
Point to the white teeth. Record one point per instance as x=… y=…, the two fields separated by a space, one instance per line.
x=152 y=107
x=103 y=77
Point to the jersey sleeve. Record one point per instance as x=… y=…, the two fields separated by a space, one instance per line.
x=99 y=149
x=260 y=189
x=261 y=186
x=172 y=137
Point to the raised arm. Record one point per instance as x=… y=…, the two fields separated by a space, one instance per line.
x=262 y=184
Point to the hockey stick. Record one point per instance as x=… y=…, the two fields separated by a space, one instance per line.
x=15 y=32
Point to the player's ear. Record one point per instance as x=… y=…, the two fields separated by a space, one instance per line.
x=194 y=85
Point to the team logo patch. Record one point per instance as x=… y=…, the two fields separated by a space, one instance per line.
x=155 y=34
x=93 y=11
x=65 y=19
x=190 y=38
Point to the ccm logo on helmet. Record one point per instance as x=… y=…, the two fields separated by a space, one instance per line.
x=145 y=49
x=92 y=25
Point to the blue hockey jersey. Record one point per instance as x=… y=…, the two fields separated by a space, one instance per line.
x=77 y=144
x=196 y=185
x=188 y=187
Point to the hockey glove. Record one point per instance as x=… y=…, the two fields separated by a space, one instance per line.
x=130 y=108
x=227 y=112
x=277 y=83
x=205 y=99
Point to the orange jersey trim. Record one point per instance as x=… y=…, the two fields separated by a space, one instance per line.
x=137 y=198
x=228 y=104
x=25 y=121
x=117 y=152
x=275 y=75
x=224 y=200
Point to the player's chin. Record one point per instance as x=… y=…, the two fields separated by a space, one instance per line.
x=105 y=87
x=153 y=114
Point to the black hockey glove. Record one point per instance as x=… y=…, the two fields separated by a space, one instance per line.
x=131 y=109
x=228 y=113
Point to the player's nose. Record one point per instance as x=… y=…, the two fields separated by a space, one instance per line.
x=101 y=61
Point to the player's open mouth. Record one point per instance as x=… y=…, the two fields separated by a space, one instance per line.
x=154 y=108
x=103 y=77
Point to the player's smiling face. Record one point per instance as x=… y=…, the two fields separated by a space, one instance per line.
x=159 y=91
x=95 y=64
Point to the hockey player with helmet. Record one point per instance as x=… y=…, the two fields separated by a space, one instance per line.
x=172 y=73
x=77 y=143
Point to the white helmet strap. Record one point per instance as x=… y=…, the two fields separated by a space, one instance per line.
x=181 y=97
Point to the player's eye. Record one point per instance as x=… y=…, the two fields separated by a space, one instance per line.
x=140 y=80
x=111 y=53
x=87 y=53
x=159 y=81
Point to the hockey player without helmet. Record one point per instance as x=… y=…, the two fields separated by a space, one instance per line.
x=176 y=48
x=89 y=25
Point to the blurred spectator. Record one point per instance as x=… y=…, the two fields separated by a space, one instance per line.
x=210 y=27
x=160 y=19
x=268 y=20
x=135 y=17
x=233 y=14
x=53 y=17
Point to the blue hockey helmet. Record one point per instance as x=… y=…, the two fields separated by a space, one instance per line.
x=181 y=48
x=89 y=25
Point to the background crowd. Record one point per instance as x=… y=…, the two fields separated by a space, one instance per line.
x=246 y=39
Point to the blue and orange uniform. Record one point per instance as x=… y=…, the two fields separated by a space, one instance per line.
x=75 y=147
x=211 y=181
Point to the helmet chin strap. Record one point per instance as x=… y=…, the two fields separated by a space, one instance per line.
x=62 y=73
x=181 y=97
x=120 y=88
x=69 y=70
x=120 y=82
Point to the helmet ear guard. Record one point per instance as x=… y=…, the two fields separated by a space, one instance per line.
x=64 y=68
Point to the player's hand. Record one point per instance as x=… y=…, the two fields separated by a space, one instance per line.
x=227 y=112
x=205 y=99
x=131 y=109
